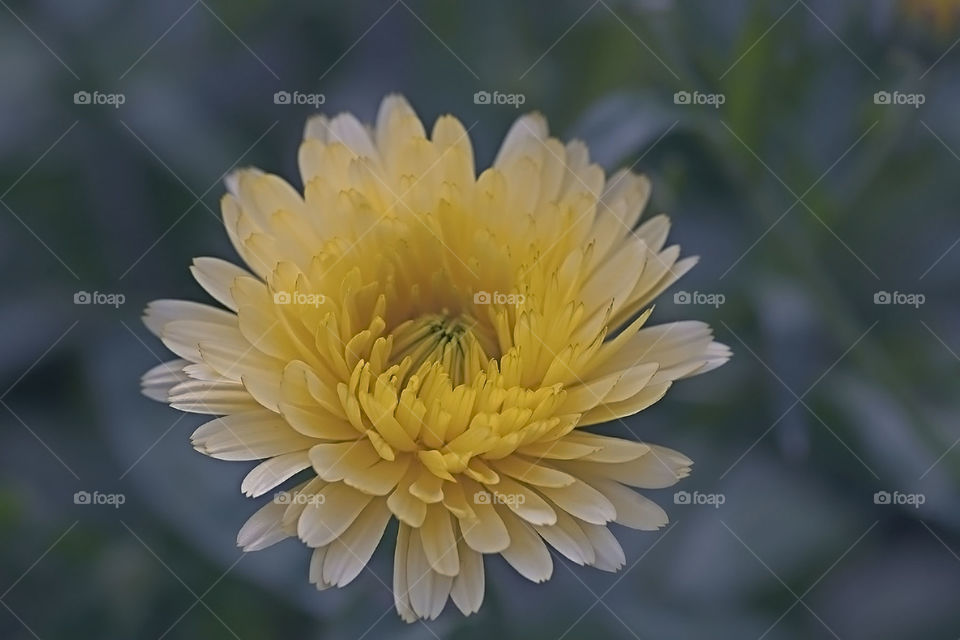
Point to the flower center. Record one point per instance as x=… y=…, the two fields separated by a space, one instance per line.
x=441 y=338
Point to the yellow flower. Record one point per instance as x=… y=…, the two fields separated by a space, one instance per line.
x=430 y=345
x=942 y=14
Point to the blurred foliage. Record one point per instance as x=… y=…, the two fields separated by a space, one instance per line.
x=802 y=195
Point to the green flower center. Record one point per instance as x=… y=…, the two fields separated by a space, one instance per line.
x=440 y=338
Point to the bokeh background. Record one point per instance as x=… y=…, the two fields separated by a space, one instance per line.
x=804 y=194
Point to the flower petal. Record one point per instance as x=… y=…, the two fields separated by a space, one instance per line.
x=326 y=518
x=157 y=382
x=439 y=543
x=252 y=435
x=263 y=528
x=270 y=473
x=468 y=586
x=349 y=554
x=526 y=553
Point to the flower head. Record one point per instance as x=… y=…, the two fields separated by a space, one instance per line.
x=420 y=343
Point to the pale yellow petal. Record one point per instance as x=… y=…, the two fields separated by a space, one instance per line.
x=527 y=553
x=468 y=586
x=439 y=543
x=270 y=473
x=252 y=435
x=263 y=528
x=349 y=554
x=326 y=518
x=157 y=382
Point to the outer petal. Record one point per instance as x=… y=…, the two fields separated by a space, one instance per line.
x=348 y=555
x=526 y=553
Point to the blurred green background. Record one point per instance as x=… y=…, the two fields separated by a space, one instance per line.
x=806 y=193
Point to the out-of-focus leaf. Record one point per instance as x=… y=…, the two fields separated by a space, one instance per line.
x=622 y=123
